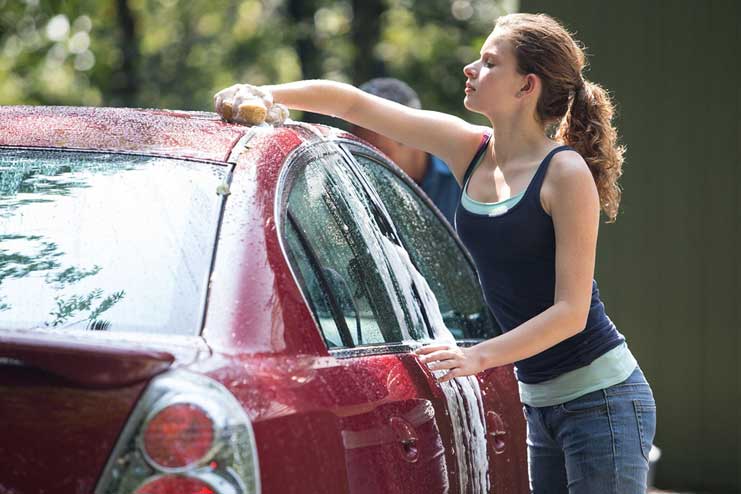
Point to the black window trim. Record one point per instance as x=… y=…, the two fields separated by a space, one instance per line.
x=334 y=306
x=391 y=348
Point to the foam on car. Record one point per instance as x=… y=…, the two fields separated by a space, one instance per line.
x=462 y=394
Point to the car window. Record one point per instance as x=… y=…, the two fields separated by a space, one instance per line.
x=105 y=241
x=319 y=294
x=342 y=247
x=435 y=253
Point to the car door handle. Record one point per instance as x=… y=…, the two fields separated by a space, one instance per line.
x=407 y=437
x=496 y=431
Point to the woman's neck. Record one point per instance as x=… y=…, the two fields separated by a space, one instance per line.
x=518 y=140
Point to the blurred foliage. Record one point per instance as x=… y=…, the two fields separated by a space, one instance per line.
x=177 y=53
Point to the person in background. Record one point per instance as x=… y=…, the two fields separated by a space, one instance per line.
x=428 y=171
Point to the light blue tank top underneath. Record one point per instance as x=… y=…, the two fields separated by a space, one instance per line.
x=487 y=208
x=612 y=368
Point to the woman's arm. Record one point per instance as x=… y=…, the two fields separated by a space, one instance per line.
x=573 y=203
x=450 y=138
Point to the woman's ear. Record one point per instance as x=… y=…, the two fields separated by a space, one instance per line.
x=528 y=87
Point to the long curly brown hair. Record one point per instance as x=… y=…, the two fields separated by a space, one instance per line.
x=580 y=111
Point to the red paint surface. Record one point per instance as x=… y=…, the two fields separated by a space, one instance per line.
x=177 y=134
x=83 y=361
x=329 y=425
x=254 y=293
x=54 y=436
x=507 y=451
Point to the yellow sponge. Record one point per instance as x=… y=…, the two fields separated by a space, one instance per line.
x=251 y=112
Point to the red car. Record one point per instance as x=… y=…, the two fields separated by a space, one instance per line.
x=190 y=306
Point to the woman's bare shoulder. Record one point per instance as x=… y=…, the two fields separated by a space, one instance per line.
x=567 y=174
x=567 y=163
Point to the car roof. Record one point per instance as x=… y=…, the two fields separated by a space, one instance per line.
x=177 y=134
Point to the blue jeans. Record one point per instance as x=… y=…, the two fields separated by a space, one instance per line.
x=597 y=443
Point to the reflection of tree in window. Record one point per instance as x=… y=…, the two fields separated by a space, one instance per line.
x=68 y=307
x=46 y=259
x=18 y=265
x=70 y=275
x=92 y=239
x=29 y=176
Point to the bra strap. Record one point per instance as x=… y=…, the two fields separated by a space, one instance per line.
x=485 y=138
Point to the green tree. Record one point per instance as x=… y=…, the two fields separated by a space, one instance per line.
x=177 y=53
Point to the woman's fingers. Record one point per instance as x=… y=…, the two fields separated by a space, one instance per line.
x=440 y=355
x=430 y=348
x=247 y=92
x=264 y=94
x=459 y=361
x=450 y=375
x=223 y=102
x=444 y=364
x=277 y=114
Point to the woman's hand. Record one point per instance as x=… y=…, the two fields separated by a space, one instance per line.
x=247 y=104
x=460 y=361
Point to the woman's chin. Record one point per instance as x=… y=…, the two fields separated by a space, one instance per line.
x=470 y=105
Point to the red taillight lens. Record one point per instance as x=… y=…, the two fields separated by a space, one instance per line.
x=175 y=484
x=178 y=435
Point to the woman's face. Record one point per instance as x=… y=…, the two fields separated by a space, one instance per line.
x=492 y=81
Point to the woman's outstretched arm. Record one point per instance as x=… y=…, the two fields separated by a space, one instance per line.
x=452 y=139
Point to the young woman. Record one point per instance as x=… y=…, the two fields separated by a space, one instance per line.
x=529 y=216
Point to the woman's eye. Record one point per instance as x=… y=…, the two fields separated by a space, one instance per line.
x=488 y=64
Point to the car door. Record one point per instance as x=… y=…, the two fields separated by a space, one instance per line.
x=437 y=253
x=346 y=258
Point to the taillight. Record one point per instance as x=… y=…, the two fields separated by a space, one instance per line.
x=175 y=484
x=178 y=436
x=187 y=435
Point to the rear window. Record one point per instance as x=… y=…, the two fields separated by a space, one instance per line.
x=105 y=241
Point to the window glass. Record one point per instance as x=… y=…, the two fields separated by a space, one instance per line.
x=356 y=255
x=318 y=291
x=105 y=241
x=435 y=253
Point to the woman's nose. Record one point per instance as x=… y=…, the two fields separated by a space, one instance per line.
x=470 y=71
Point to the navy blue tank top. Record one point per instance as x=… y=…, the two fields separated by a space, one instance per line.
x=515 y=254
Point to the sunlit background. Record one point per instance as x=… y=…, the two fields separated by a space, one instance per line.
x=177 y=53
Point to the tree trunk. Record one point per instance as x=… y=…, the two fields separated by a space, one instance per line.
x=366 y=33
x=126 y=88
x=301 y=13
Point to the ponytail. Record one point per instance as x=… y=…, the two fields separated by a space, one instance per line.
x=587 y=127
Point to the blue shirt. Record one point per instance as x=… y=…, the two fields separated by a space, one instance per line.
x=440 y=185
